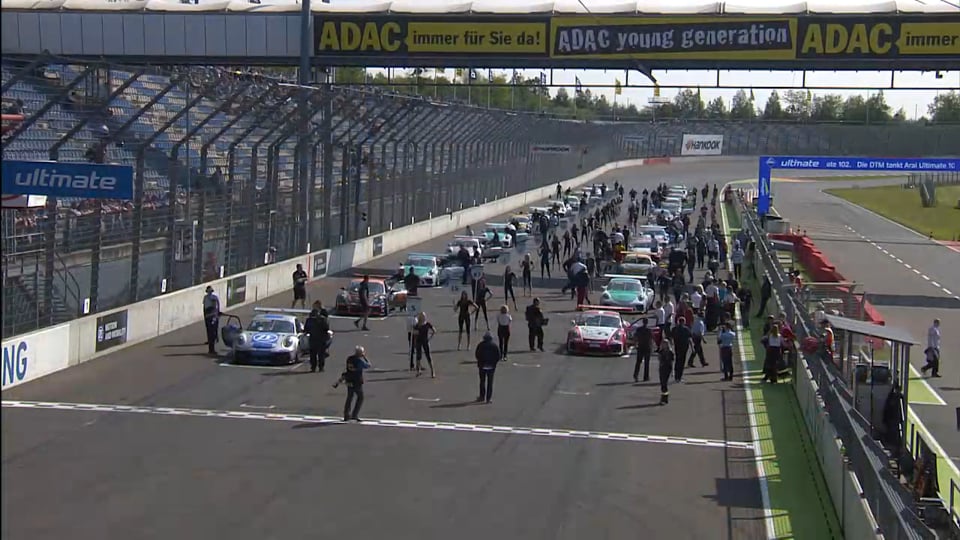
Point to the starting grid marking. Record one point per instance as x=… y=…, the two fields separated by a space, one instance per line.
x=408 y=424
x=883 y=250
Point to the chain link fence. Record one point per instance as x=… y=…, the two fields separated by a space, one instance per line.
x=234 y=171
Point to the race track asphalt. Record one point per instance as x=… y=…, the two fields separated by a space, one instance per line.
x=159 y=441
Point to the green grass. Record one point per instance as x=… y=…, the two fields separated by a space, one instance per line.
x=799 y=499
x=903 y=206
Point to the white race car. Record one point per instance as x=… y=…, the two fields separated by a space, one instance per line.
x=274 y=336
x=598 y=331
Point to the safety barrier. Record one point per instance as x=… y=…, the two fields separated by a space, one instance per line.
x=30 y=356
x=821 y=270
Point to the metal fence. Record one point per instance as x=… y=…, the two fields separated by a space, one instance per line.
x=234 y=171
x=890 y=503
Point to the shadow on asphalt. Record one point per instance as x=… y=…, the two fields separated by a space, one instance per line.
x=312 y=425
x=458 y=405
x=640 y=406
x=182 y=345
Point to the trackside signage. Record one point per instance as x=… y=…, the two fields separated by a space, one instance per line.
x=551 y=149
x=702 y=145
x=57 y=179
x=31 y=356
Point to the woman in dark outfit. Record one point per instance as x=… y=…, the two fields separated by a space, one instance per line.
x=425 y=332
x=526 y=270
x=462 y=307
x=483 y=293
x=508 y=278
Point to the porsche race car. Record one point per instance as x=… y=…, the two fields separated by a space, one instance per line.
x=274 y=336
x=385 y=296
x=599 y=331
x=631 y=292
x=425 y=266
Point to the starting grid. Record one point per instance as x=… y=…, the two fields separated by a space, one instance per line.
x=386 y=423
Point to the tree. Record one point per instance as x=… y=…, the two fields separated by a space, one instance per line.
x=827 y=108
x=350 y=75
x=742 y=107
x=945 y=107
x=877 y=108
x=716 y=109
x=562 y=99
x=799 y=104
x=773 y=110
x=855 y=109
x=688 y=104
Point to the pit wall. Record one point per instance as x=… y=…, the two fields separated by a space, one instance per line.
x=30 y=356
x=821 y=270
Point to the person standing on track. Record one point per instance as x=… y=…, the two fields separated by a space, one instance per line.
x=725 y=340
x=504 y=321
x=508 y=278
x=462 y=307
x=933 y=350
x=299 y=287
x=682 y=337
x=482 y=294
x=666 y=367
x=535 y=323
x=555 y=249
x=412 y=337
x=425 y=332
x=353 y=377
x=698 y=336
x=488 y=356
x=211 y=318
x=363 y=294
x=317 y=326
x=544 y=259
x=644 y=338
x=526 y=270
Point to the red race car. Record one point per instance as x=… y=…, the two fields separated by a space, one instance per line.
x=385 y=296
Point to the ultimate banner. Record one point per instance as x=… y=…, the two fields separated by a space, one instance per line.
x=837 y=42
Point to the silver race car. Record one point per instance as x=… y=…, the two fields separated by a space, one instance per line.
x=274 y=336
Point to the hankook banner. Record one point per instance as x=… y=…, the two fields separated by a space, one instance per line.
x=701 y=145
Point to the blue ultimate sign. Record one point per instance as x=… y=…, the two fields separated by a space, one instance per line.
x=906 y=165
x=57 y=179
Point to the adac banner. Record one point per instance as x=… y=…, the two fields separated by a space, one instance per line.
x=701 y=145
x=58 y=179
x=430 y=36
x=620 y=41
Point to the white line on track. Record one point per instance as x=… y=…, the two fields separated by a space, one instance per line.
x=388 y=423
x=430 y=400
x=248 y=406
x=525 y=365
x=924 y=276
x=568 y=393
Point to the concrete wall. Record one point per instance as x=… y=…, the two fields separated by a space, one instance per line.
x=30 y=356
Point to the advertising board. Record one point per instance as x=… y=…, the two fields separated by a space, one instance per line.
x=236 y=290
x=58 y=179
x=111 y=330
x=701 y=145
x=551 y=149
x=378 y=245
x=34 y=355
x=622 y=40
x=320 y=259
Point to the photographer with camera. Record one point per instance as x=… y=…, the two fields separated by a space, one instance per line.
x=353 y=378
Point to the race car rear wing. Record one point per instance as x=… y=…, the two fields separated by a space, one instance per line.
x=625 y=276
x=434 y=255
x=282 y=310
x=585 y=307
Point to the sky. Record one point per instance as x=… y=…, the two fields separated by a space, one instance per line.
x=913 y=102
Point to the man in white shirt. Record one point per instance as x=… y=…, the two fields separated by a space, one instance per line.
x=696 y=299
x=698 y=330
x=933 y=350
x=669 y=312
x=661 y=315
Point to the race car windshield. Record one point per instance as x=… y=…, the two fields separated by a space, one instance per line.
x=629 y=286
x=375 y=288
x=421 y=262
x=637 y=260
x=271 y=325
x=602 y=321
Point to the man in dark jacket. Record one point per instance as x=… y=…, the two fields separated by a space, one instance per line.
x=644 y=338
x=317 y=326
x=535 y=322
x=353 y=377
x=411 y=281
x=766 y=291
x=682 y=339
x=488 y=355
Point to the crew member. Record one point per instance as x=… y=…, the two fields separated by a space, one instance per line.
x=425 y=332
x=488 y=355
x=535 y=323
x=363 y=294
x=410 y=282
x=666 y=367
x=681 y=344
x=211 y=318
x=698 y=333
x=508 y=278
x=644 y=338
x=317 y=327
x=299 y=287
x=725 y=341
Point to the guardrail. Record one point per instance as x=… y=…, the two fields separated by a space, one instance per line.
x=867 y=497
x=30 y=356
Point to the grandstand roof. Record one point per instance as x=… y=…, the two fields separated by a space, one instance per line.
x=511 y=7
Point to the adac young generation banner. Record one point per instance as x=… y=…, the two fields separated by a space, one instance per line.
x=789 y=39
